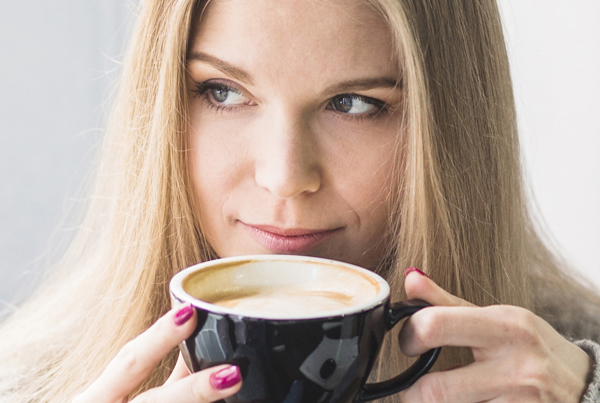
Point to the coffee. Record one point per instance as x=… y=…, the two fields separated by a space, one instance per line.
x=284 y=301
x=266 y=289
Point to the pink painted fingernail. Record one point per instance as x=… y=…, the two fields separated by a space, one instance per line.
x=226 y=378
x=183 y=315
x=411 y=269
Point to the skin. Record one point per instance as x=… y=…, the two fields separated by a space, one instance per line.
x=518 y=356
x=134 y=363
x=277 y=153
x=269 y=147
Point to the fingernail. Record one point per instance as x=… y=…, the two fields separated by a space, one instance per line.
x=225 y=378
x=411 y=269
x=183 y=315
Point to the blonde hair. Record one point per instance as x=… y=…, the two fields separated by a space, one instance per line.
x=459 y=213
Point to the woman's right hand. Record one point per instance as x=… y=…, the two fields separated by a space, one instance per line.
x=136 y=360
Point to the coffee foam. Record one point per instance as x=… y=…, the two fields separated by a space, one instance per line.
x=281 y=288
x=287 y=301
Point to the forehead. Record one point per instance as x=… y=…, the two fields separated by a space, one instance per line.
x=314 y=36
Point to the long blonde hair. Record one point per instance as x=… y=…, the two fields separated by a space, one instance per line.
x=459 y=212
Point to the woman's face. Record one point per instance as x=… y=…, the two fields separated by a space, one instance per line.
x=295 y=111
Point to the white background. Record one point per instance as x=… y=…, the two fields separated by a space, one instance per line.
x=57 y=64
x=554 y=47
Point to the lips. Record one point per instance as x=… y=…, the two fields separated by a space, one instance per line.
x=289 y=240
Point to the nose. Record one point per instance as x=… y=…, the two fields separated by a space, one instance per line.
x=287 y=160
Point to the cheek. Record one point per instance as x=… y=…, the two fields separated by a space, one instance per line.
x=366 y=179
x=216 y=151
x=374 y=197
x=216 y=166
x=375 y=212
x=207 y=172
x=367 y=193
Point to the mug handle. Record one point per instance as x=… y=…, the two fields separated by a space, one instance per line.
x=394 y=314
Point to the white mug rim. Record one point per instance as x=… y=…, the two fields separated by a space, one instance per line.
x=177 y=291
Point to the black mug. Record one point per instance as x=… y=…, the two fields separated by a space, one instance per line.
x=301 y=329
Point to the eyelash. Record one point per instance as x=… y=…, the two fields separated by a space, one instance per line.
x=201 y=90
x=381 y=108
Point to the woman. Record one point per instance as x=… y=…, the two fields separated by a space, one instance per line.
x=381 y=133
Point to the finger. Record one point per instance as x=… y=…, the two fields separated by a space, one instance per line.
x=478 y=327
x=180 y=371
x=419 y=286
x=206 y=386
x=140 y=356
x=478 y=382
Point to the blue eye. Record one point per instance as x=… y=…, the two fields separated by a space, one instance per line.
x=226 y=95
x=353 y=104
x=221 y=95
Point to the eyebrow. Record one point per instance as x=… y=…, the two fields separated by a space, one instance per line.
x=221 y=65
x=345 y=86
x=363 y=84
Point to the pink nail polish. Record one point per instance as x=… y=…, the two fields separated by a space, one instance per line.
x=183 y=315
x=411 y=269
x=226 y=378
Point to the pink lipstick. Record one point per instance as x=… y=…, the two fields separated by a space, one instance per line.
x=287 y=240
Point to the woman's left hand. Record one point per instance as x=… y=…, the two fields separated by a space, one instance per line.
x=518 y=356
